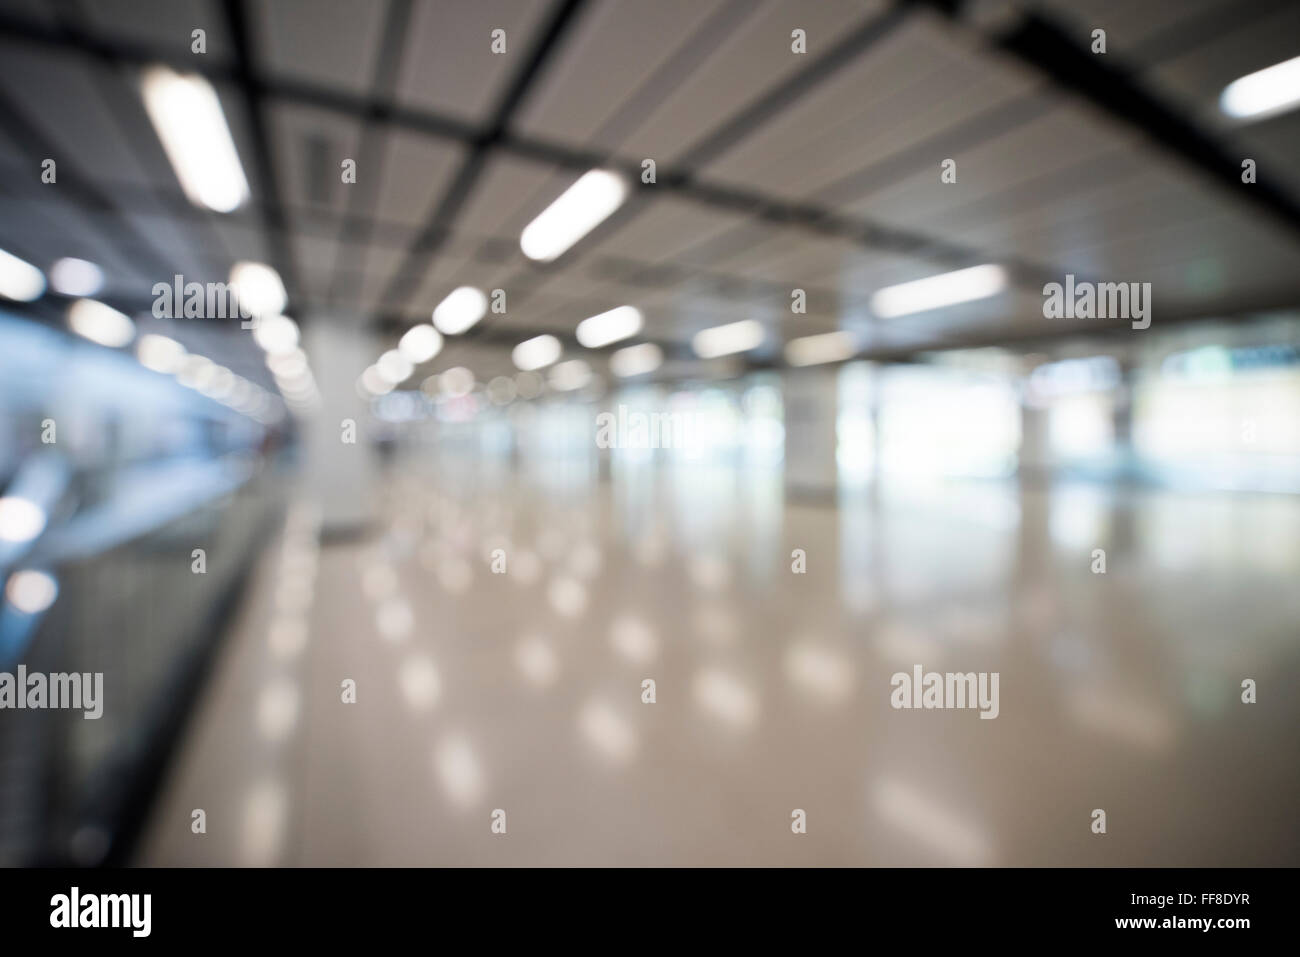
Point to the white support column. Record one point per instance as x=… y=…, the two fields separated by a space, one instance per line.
x=341 y=477
x=811 y=405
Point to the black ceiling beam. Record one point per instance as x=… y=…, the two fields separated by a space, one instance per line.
x=481 y=144
x=274 y=225
x=74 y=185
x=124 y=104
x=813 y=218
x=1106 y=82
x=362 y=195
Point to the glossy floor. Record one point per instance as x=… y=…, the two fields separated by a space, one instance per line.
x=478 y=690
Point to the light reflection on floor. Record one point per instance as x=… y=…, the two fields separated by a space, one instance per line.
x=524 y=690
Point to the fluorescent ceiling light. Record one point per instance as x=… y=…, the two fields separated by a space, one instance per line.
x=222 y=384
x=577 y=211
x=19 y=280
x=570 y=375
x=461 y=309
x=373 y=382
x=420 y=343
x=621 y=323
x=536 y=353
x=76 y=277
x=31 y=591
x=636 y=360
x=394 y=367
x=456 y=382
x=1275 y=89
x=21 y=520
x=934 y=292
x=258 y=288
x=828 y=347
x=724 y=340
x=159 y=353
x=187 y=116
x=288 y=365
x=277 y=335
x=100 y=323
x=196 y=371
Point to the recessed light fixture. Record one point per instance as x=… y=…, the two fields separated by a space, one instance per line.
x=420 y=343
x=394 y=367
x=20 y=280
x=100 y=323
x=612 y=326
x=935 y=292
x=76 y=277
x=536 y=353
x=577 y=211
x=186 y=113
x=31 y=591
x=276 y=334
x=195 y=372
x=462 y=308
x=827 y=347
x=159 y=353
x=567 y=376
x=1266 y=92
x=21 y=519
x=725 y=340
x=259 y=289
x=373 y=382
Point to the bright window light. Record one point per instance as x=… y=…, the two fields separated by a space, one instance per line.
x=19 y=280
x=461 y=309
x=570 y=375
x=636 y=360
x=607 y=327
x=76 y=277
x=578 y=210
x=187 y=116
x=934 y=292
x=258 y=288
x=159 y=353
x=100 y=323
x=277 y=335
x=828 y=347
x=536 y=353
x=1266 y=92
x=21 y=520
x=394 y=367
x=31 y=591
x=725 y=340
x=420 y=343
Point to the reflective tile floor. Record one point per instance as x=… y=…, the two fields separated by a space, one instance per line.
x=522 y=691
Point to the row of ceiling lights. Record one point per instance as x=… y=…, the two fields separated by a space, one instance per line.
x=257 y=288
x=191 y=125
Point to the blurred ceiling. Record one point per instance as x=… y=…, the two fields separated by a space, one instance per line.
x=775 y=170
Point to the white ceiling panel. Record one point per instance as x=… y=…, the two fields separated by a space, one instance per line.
x=416 y=171
x=612 y=53
x=914 y=85
x=754 y=60
x=450 y=67
x=333 y=43
x=163 y=25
